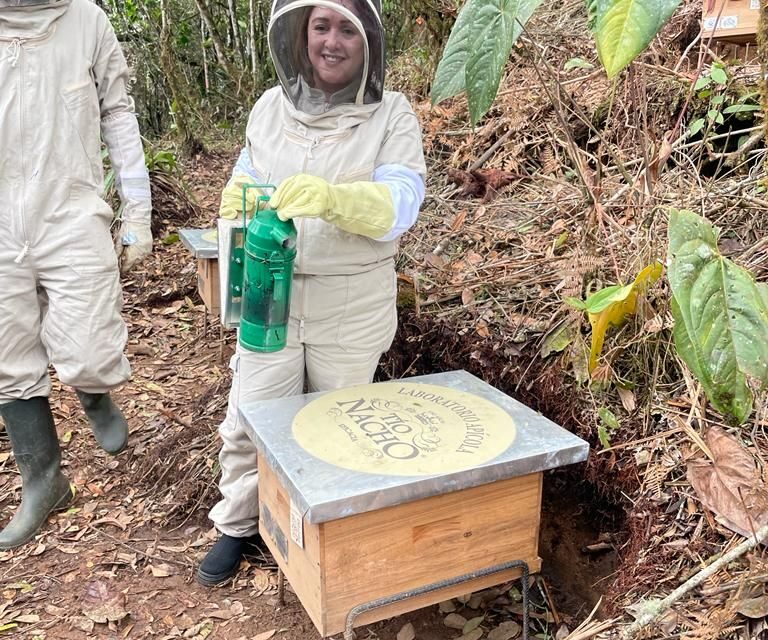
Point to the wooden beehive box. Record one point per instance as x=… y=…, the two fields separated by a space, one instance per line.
x=371 y=491
x=208 y=283
x=730 y=20
x=203 y=246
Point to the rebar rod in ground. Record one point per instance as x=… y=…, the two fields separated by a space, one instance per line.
x=349 y=633
x=280 y=587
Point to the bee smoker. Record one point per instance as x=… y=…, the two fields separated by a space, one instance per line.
x=266 y=262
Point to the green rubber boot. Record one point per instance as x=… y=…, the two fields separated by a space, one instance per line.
x=44 y=488
x=108 y=424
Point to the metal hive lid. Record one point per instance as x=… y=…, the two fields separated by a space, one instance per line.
x=360 y=449
x=201 y=243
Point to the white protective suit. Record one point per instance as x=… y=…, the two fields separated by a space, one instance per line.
x=343 y=313
x=64 y=81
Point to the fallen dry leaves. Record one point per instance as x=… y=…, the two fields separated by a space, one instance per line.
x=103 y=604
x=730 y=484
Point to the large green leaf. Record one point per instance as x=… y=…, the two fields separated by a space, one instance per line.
x=477 y=50
x=624 y=28
x=730 y=394
x=721 y=317
x=497 y=26
x=449 y=77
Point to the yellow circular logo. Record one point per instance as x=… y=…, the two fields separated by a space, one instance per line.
x=403 y=429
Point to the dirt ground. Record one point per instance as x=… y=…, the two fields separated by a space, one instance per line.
x=120 y=562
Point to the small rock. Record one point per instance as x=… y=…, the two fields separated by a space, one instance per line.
x=406 y=633
x=562 y=633
x=447 y=606
x=472 y=624
x=505 y=631
x=454 y=621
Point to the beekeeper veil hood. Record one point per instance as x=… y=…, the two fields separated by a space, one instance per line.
x=21 y=20
x=328 y=52
x=5 y=4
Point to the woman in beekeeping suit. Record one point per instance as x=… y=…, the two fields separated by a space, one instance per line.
x=63 y=80
x=348 y=161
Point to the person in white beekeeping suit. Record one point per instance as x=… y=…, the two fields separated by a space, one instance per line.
x=347 y=159
x=63 y=80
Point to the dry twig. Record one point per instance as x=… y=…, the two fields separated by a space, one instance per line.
x=654 y=609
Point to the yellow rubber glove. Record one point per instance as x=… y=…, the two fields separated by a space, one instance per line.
x=231 y=206
x=365 y=208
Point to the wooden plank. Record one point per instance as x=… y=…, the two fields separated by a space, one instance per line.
x=300 y=566
x=208 y=284
x=380 y=553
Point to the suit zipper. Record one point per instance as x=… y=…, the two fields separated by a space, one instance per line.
x=300 y=223
x=25 y=249
x=18 y=58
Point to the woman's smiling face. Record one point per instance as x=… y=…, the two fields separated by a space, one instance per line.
x=335 y=49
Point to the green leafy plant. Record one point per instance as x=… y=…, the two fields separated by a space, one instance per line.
x=608 y=422
x=710 y=86
x=721 y=316
x=162 y=160
x=610 y=306
x=624 y=28
x=485 y=31
x=577 y=63
x=713 y=89
x=477 y=50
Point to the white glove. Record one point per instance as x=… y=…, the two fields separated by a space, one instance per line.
x=133 y=244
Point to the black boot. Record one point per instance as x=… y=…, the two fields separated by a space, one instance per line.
x=29 y=424
x=108 y=424
x=222 y=561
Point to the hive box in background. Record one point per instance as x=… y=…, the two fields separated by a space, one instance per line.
x=730 y=20
x=203 y=246
x=208 y=284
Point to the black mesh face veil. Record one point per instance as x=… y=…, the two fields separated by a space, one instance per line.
x=287 y=36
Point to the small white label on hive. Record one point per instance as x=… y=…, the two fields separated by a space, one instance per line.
x=754 y=4
x=297 y=525
x=725 y=22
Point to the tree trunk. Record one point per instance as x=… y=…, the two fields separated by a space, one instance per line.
x=235 y=29
x=205 y=57
x=168 y=63
x=252 y=38
x=218 y=46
